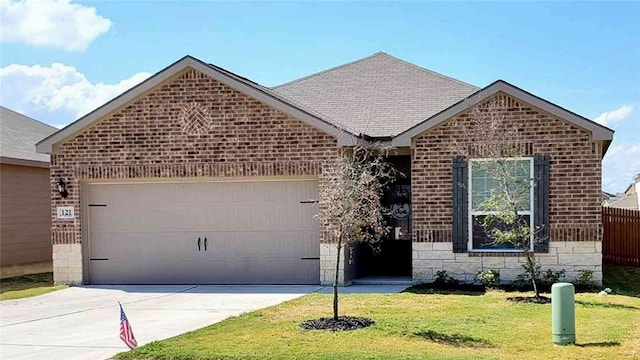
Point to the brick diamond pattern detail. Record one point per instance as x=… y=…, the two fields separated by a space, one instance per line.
x=195 y=119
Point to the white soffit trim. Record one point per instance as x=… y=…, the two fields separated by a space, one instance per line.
x=598 y=132
x=48 y=144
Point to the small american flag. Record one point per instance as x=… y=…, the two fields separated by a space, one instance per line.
x=125 y=330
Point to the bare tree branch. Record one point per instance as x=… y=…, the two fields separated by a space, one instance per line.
x=486 y=132
x=350 y=197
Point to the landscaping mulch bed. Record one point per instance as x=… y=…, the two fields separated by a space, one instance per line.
x=343 y=323
x=530 y=299
x=475 y=289
x=430 y=288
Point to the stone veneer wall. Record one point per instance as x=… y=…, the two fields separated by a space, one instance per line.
x=192 y=126
x=67 y=263
x=571 y=256
x=328 y=253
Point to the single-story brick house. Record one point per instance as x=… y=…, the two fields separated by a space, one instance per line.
x=199 y=175
x=25 y=200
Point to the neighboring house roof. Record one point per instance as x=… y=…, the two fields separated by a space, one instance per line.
x=629 y=199
x=18 y=137
x=624 y=202
x=631 y=189
x=378 y=96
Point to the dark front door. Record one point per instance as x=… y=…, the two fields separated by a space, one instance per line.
x=393 y=257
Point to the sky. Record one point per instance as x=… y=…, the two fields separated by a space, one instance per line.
x=60 y=59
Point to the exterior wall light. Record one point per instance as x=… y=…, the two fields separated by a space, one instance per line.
x=62 y=188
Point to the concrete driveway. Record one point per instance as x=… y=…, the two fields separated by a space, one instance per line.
x=84 y=322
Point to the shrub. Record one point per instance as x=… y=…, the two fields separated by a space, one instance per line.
x=488 y=278
x=545 y=279
x=444 y=280
x=585 y=277
x=551 y=277
x=523 y=280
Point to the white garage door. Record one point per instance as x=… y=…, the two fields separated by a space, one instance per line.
x=258 y=232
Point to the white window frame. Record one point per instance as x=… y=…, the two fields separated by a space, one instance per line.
x=472 y=213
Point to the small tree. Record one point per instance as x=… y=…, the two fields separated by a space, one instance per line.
x=351 y=206
x=487 y=133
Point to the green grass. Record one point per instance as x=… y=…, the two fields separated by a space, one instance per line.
x=414 y=326
x=622 y=279
x=27 y=286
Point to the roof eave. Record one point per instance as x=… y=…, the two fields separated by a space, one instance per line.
x=598 y=132
x=24 y=162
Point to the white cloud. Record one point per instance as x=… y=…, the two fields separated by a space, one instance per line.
x=50 y=23
x=620 y=164
x=613 y=117
x=57 y=88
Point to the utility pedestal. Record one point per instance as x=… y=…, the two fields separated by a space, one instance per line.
x=563 y=313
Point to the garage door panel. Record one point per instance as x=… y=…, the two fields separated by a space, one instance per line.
x=239 y=272
x=262 y=244
x=257 y=233
x=243 y=270
x=127 y=272
x=288 y=217
x=133 y=245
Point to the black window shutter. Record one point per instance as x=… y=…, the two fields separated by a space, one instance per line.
x=541 y=203
x=460 y=204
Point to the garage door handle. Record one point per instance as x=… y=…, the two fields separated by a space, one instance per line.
x=205 y=244
x=199 y=244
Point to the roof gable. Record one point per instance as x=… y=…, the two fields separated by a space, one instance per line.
x=598 y=132
x=228 y=78
x=19 y=135
x=377 y=96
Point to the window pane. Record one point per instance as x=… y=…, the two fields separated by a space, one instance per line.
x=486 y=177
x=521 y=184
x=482 y=232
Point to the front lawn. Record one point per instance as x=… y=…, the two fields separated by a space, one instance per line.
x=27 y=286
x=622 y=279
x=409 y=325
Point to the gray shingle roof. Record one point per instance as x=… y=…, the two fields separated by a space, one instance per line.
x=19 y=135
x=377 y=96
x=282 y=97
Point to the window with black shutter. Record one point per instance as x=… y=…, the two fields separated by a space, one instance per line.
x=460 y=204
x=474 y=182
x=488 y=195
x=541 y=203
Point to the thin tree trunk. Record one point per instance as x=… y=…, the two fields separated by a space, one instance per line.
x=335 y=280
x=531 y=265
x=532 y=273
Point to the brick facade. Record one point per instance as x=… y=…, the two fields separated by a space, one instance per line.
x=574 y=196
x=575 y=174
x=191 y=126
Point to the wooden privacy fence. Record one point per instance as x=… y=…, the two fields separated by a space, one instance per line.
x=621 y=236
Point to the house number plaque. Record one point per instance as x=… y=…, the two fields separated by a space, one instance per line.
x=65 y=212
